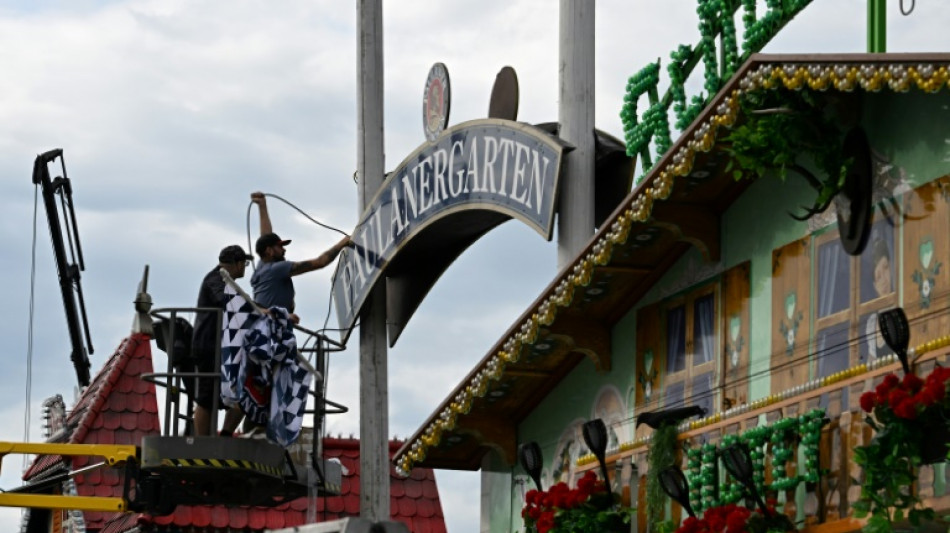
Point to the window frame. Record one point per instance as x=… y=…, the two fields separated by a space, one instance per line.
x=691 y=371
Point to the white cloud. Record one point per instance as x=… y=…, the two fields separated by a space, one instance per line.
x=172 y=112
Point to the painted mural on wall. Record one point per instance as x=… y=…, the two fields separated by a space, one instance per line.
x=610 y=407
x=788 y=325
x=647 y=378
x=568 y=449
x=925 y=276
x=735 y=342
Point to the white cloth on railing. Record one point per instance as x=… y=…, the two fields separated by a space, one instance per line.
x=259 y=368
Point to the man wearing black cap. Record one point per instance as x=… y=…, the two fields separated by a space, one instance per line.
x=272 y=280
x=211 y=295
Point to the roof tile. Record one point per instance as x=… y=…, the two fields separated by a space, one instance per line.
x=424 y=508
x=186 y=514
x=407 y=507
x=430 y=491
x=111 y=421
x=335 y=504
x=238 y=518
x=256 y=520
x=275 y=519
x=220 y=516
x=397 y=490
x=351 y=504
x=413 y=488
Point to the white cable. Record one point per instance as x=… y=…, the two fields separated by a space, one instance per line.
x=29 y=337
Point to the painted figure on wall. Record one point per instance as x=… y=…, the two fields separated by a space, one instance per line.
x=735 y=342
x=565 y=455
x=877 y=273
x=609 y=407
x=794 y=318
x=647 y=377
x=925 y=276
x=873 y=345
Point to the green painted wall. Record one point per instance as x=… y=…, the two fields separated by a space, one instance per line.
x=912 y=131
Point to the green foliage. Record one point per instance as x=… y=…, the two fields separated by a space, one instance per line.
x=594 y=516
x=905 y=415
x=889 y=464
x=784 y=130
x=589 y=507
x=662 y=454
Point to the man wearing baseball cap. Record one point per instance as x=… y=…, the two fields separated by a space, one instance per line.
x=272 y=281
x=211 y=295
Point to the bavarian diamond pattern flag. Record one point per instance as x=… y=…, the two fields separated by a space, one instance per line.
x=260 y=368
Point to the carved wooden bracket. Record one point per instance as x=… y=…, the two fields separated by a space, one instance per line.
x=495 y=433
x=584 y=335
x=697 y=225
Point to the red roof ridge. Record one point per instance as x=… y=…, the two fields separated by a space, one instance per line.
x=119 y=360
x=353 y=443
x=91 y=400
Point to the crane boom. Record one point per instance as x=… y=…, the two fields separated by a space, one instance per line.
x=73 y=301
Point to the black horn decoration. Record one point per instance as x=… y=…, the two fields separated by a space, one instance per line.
x=531 y=460
x=896 y=332
x=595 y=436
x=738 y=463
x=655 y=419
x=675 y=486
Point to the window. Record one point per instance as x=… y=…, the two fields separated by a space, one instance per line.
x=849 y=293
x=691 y=349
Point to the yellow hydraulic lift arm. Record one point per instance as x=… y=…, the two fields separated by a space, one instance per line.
x=114 y=455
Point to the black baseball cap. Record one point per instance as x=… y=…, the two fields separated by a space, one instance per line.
x=233 y=254
x=267 y=240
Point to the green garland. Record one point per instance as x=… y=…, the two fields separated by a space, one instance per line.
x=756 y=438
x=694 y=477
x=811 y=424
x=709 y=474
x=710 y=486
x=715 y=20
x=662 y=454
x=730 y=490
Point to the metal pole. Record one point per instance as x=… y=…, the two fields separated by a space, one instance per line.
x=877 y=26
x=576 y=115
x=374 y=378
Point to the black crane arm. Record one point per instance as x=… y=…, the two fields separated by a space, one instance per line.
x=69 y=272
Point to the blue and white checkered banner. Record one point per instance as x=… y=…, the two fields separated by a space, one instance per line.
x=259 y=367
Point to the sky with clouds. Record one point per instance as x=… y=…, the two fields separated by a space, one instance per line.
x=171 y=112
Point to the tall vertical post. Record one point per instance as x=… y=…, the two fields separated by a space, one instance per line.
x=374 y=371
x=575 y=224
x=877 y=26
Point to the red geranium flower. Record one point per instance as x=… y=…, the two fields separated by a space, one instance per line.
x=868 y=401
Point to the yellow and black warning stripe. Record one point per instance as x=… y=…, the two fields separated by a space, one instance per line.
x=223 y=463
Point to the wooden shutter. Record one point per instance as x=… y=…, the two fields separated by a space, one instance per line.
x=736 y=333
x=791 y=269
x=926 y=267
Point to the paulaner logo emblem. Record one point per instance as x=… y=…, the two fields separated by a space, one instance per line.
x=436 y=102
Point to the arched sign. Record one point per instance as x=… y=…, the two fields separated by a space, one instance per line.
x=445 y=196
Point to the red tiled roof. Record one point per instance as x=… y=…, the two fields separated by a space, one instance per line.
x=120 y=408
x=117 y=408
x=414 y=501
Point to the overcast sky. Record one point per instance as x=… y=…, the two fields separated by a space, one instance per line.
x=171 y=112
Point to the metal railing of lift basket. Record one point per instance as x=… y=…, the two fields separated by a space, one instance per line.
x=173 y=379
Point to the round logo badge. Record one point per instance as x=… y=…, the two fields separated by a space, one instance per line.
x=436 y=101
